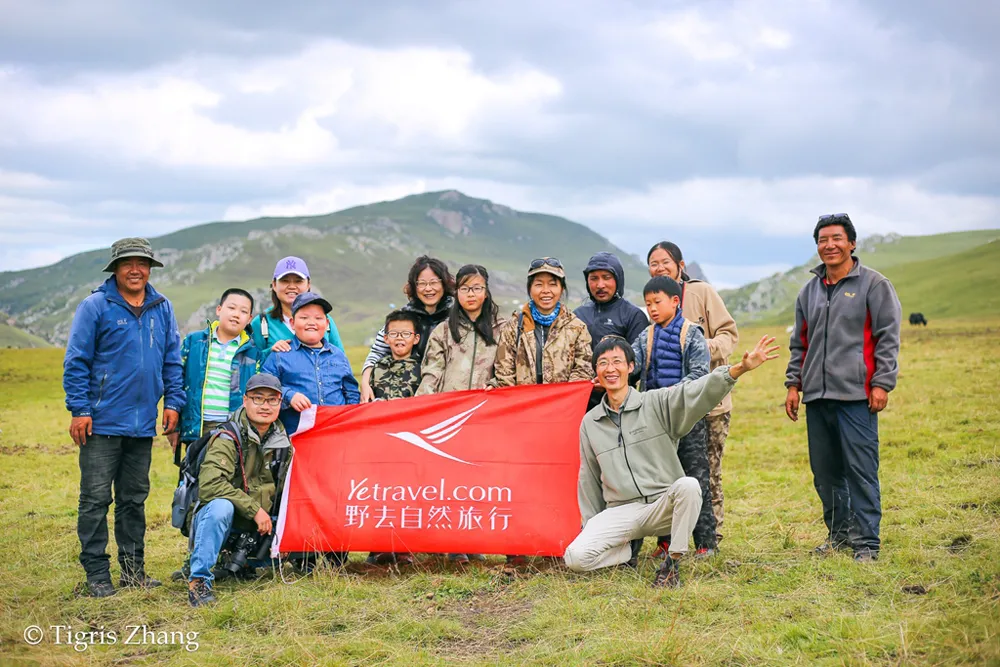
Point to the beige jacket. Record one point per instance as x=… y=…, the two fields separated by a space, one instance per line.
x=703 y=306
x=451 y=366
x=565 y=356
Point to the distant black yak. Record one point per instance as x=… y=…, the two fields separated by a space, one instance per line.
x=918 y=318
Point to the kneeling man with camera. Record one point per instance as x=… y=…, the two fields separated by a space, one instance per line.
x=631 y=482
x=240 y=478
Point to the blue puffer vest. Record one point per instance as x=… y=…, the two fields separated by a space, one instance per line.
x=666 y=366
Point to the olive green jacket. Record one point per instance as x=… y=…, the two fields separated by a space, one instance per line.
x=220 y=475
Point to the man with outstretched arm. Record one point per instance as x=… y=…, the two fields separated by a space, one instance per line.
x=843 y=363
x=631 y=482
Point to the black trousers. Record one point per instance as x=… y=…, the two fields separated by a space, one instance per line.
x=692 y=450
x=844 y=457
x=120 y=464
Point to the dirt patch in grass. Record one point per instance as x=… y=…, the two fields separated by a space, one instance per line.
x=486 y=617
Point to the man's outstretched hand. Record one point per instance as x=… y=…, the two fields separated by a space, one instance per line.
x=763 y=351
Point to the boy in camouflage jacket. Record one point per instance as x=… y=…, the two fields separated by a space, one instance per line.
x=397 y=375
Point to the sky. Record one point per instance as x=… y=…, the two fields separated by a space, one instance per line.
x=727 y=127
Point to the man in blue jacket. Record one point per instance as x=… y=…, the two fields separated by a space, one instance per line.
x=843 y=364
x=123 y=356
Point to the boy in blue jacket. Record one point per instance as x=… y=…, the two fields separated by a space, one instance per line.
x=312 y=372
x=670 y=351
x=218 y=361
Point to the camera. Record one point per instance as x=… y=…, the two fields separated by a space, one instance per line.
x=246 y=547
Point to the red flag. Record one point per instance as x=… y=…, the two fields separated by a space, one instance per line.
x=461 y=472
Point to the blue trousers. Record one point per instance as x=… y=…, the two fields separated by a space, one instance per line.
x=211 y=527
x=843 y=455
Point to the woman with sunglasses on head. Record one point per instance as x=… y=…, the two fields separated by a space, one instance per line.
x=272 y=330
x=461 y=350
x=544 y=342
x=701 y=304
x=430 y=289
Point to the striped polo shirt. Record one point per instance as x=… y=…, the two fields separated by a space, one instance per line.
x=218 y=375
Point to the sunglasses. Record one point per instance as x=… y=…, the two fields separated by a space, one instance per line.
x=834 y=216
x=551 y=261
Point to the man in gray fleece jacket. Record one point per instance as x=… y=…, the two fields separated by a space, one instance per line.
x=631 y=482
x=843 y=364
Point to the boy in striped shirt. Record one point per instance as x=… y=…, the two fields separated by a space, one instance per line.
x=218 y=361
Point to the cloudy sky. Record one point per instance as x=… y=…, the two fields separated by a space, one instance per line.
x=725 y=126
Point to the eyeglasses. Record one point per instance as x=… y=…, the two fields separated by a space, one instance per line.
x=427 y=284
x=405 y=335
x=616 y=363
x=538 y=263
x=472 y=289
x=834 y=216
x=273 y=401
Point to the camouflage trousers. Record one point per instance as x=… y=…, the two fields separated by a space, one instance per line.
x=718 y=431
x=692 y=450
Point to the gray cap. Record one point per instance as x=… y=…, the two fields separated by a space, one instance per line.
x=131 y=247
x=264 y=381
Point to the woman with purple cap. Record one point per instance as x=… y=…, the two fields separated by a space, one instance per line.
x=272 y=330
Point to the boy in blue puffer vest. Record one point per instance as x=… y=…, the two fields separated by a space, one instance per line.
x=670 y=351
x=218 y=362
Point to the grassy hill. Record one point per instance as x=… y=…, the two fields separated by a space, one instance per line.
x=917 y=266
x=13 y=337
x=358 y=259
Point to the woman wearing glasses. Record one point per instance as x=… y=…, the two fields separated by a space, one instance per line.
x=430 y=289
x=544 y=342
x=461 y=350
x=702 y=305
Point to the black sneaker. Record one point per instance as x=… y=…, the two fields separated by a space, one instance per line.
x=199 y=593
x=633 y=561
x=667 y=576
x=865 y=555
x=138 y=580
x=100 y=588
x=459 y=559
x=829 y=548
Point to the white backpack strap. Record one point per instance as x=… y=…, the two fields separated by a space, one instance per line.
x=684 y=333
x=649 y=345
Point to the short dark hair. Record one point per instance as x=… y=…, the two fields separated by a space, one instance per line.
x=403 y=316
x=440 y=270
x=609 y=343
x=664 y=284
x=841 y=219
x=237 y=291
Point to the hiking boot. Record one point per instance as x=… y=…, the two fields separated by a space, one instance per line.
x=381 y=558
x=479 y=557
x=138 y=580
x=704 y=553
x=406 y=559
x=199 y=593
x=662 y=548
x=633 y=561
x=667 y=576
x=459 y=559
x=100 y=588
x=828 y=548
x=865 y=555
x=517 y=561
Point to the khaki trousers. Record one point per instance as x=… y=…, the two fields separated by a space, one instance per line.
x=604 y=541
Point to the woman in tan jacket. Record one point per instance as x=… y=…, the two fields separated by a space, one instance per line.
x=701 y=304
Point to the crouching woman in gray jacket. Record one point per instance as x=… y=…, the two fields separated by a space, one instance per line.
x=631 y=482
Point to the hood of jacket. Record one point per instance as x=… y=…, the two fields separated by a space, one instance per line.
x=606 y=261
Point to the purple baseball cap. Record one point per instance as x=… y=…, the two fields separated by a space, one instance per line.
x=294 y=265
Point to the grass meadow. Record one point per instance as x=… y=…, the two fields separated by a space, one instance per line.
x=933 y=598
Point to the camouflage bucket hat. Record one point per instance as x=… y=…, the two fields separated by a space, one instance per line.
x=131 y=247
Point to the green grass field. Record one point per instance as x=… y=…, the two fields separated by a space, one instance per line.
x=933 y=598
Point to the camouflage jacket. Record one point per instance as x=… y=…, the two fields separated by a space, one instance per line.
x=565 y=356
x=451 y=366
x=395 y=378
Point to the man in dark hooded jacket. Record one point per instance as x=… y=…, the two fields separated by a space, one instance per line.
x=607 y=312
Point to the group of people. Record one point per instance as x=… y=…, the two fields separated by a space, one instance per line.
x=651 y=443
